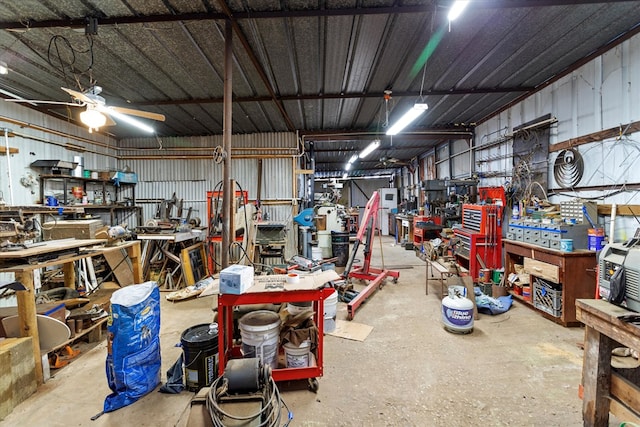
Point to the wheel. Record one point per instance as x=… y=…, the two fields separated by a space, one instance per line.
x=314 y=385
x=395 y=280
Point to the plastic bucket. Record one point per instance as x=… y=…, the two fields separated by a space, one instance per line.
x=260 y=331
x=297 y=357
x=596 y=239
x=330 y=310
x=340 y=247
x=316 y=253
x=200 y=348
x=484 y=275
x=566 y=245
x=298 y=307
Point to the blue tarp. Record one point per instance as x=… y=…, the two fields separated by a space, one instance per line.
x=489 y=305
x=133 y=361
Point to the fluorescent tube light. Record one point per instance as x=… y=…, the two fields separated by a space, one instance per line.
x=130 y=120
x=3 y=68
x=345 y=175
x=370 y=149
x=347 y=166
x=408 y=117
x=353 y=158
x=456 y=9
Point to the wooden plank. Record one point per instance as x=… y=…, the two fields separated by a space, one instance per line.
x=622 y=210
x=595 y=137
x=596 y=366
x=12 y=150
x=623 y=413
x=628 y=394
x=50 y=246
x=28 y=318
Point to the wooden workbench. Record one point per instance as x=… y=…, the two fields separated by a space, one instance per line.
x=605 y=391
x=166 y=247
x=58 y=252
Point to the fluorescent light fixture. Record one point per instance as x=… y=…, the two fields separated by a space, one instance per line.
x=456 y=9
x=408 y=117
x=3 y=68
x=345 y=175
x=370 y=149
x=94 y=119
x=353 y=158
x=347 y=166
x=130 y=120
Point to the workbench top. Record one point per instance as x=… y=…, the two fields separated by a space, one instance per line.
x=48 y=247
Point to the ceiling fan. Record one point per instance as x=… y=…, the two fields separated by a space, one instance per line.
x=98 y=113
x=391 y=162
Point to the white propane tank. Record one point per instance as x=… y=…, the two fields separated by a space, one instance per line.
x=457 y=311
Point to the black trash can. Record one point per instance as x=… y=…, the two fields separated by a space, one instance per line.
x=340 y=247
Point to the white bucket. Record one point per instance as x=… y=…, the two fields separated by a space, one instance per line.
x=297 y=357
x=297 y=308
x=316 y=253
x=260 y=332
x=330 y=310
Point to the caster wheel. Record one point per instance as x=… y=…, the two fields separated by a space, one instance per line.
x=313 y=385
x=395 y=281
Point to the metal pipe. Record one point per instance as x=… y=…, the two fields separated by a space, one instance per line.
x=8 y=153
x=227 y=126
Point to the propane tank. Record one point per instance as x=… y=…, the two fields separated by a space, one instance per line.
x=457 y=311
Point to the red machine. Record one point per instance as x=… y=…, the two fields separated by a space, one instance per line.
x=375 y=276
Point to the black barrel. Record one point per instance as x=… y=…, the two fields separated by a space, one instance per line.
x=340 y=247
x=200 y=347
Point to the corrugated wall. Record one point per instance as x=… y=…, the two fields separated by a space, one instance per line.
x=602 y=94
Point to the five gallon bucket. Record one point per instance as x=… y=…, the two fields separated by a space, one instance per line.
x=566 y=245
x=298 y=307
x=260 y=331
x=340 y=247
x=316 y=253
x=297 y=357
x=330 y=309
x=596 y=238
x=200 y=348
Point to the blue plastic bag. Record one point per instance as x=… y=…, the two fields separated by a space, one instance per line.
x=133 y=359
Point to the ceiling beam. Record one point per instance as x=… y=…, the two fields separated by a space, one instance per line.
x=358 y=95
x=201 y=16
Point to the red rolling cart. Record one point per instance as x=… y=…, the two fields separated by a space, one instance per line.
x=227 y=349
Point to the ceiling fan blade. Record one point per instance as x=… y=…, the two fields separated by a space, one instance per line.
x=110 y=121
x=139 y=113
x=37 y=101
x=79 y=95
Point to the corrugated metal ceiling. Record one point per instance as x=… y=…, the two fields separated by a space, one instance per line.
x=317 y=67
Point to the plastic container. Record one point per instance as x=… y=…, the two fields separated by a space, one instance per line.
x=484 y=275
x=596 y=238
x=297 y=357
x=330 y=310
x=457 y=312
x=316 y=253
x=200 y=348
x=566 y=245
x=260 y=331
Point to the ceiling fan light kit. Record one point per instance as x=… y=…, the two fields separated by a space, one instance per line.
x=93 y=119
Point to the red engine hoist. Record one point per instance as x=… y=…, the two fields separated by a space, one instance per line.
x=375 y=276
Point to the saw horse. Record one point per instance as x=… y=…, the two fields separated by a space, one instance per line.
x=375 y=276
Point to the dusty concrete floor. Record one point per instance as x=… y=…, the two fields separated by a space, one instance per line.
x=515 y=369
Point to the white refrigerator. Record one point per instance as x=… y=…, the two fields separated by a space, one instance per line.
x=388 y=201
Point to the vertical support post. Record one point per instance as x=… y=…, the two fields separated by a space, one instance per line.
x=28 y=318
x=227 y=125
x=69 y=272
x=596 y=378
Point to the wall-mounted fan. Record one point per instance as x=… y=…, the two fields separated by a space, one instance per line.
x=97 y=113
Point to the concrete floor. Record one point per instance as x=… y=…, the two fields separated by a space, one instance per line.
x=515 y=369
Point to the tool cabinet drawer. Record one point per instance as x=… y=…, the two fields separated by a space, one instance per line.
x=542 y=269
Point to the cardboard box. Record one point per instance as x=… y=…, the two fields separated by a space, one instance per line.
x=236 y=279
x=79 y=229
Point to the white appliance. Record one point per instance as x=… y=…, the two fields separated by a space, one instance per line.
x=388 y=201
